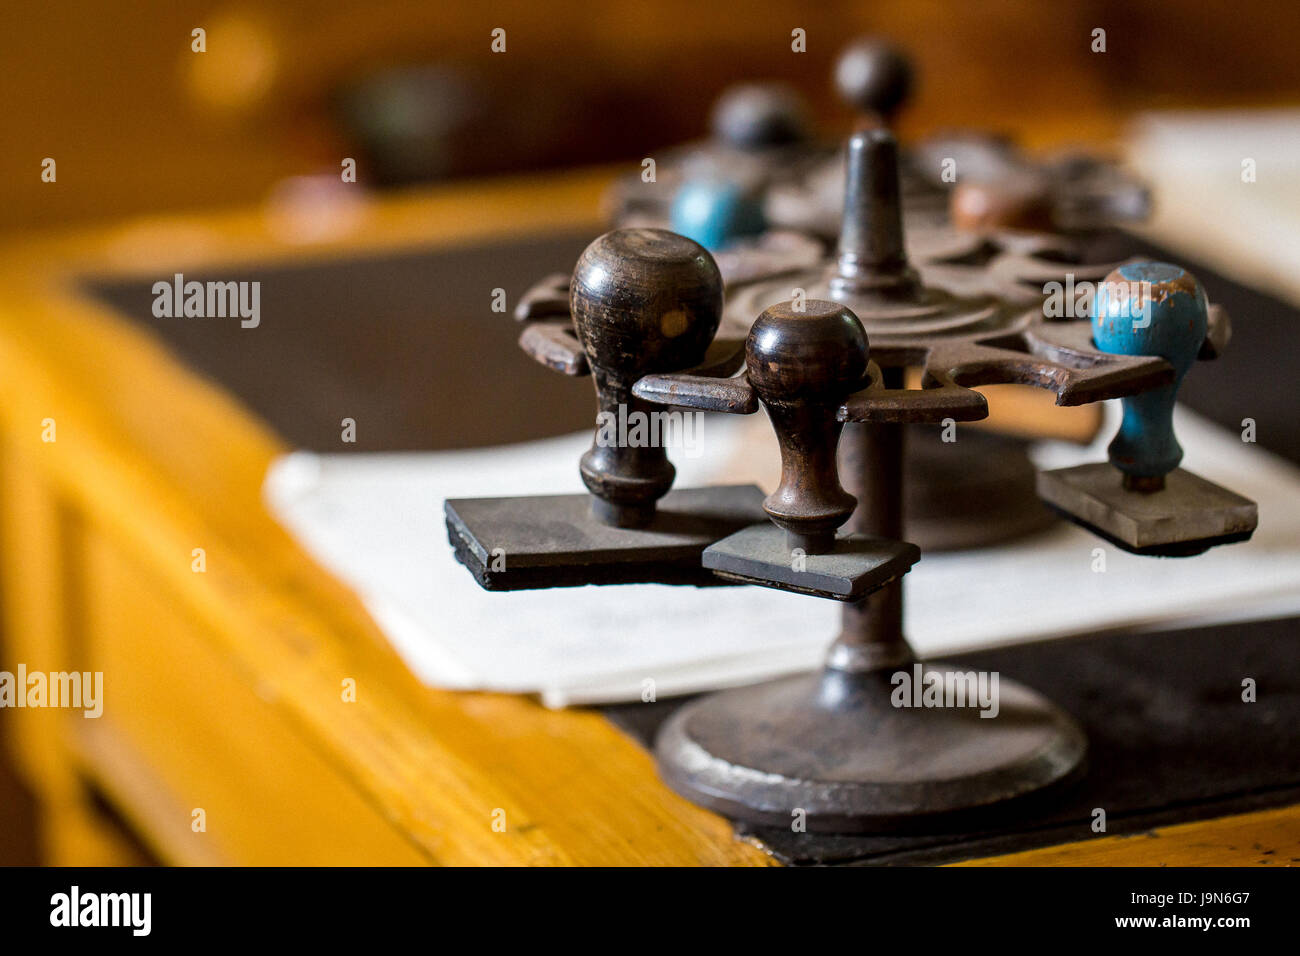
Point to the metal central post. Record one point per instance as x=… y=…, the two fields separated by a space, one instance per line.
x=872 y=259
x=871 y=634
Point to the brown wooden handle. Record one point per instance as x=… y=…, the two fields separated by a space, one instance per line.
x=804 y=363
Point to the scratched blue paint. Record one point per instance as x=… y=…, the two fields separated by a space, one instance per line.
x=1172 y=326
x=716 y=212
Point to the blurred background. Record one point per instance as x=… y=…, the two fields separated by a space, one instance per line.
x=140 y=124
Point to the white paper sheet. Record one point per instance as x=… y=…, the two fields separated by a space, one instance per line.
x=377 y=522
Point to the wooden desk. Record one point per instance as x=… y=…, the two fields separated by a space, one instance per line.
x=223 y=689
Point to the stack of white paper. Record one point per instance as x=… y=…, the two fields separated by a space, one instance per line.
x=377 y=522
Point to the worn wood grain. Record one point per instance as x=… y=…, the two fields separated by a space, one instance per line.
x=160 y=462
x=1263 y=838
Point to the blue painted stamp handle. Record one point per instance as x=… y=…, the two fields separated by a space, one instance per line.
x=1150 y=308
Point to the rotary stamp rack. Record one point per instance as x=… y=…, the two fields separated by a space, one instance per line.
x=822 y=339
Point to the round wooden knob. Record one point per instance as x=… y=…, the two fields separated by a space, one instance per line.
x=1150 y=308
x=874 y=77
x=754 y=116
x=1012 y=202
x=643 y=301
x=803 y=364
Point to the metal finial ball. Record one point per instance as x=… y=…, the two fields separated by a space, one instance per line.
x=873 y=76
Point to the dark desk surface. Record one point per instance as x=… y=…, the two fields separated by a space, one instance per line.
x=1169 y=741
x=406 y=344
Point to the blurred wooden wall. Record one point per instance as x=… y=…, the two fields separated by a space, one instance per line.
x=137 y=122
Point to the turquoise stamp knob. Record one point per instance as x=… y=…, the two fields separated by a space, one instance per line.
x=1150 y=308
x=715 y=212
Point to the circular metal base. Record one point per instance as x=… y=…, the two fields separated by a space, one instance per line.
x=973 y=493
x=834 y=745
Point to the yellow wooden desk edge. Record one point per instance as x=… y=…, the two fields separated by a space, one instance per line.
x=168 y=462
